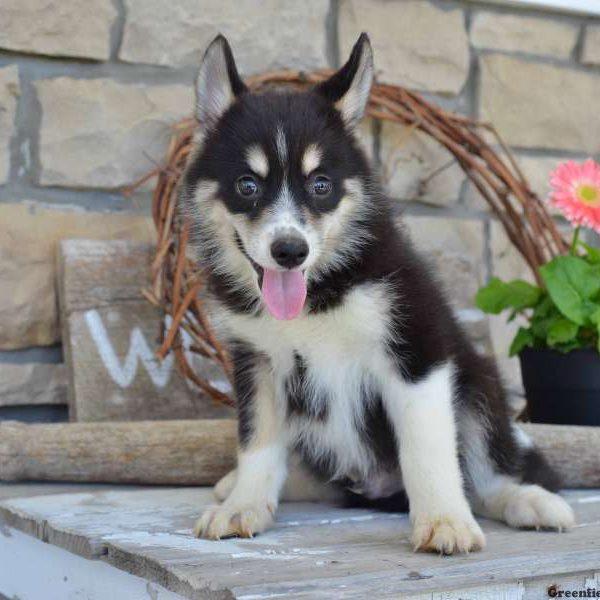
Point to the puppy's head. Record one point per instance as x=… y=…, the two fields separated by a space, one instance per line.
x=276 y=187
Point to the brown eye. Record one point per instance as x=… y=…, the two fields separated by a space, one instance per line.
x=321 y=185
x=247 y=186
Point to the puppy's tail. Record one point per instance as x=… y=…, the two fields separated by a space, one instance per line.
x=537 y=469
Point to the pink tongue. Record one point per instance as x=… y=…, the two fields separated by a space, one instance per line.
x=284 y=293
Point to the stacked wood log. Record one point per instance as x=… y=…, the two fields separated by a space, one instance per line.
x=200 y=452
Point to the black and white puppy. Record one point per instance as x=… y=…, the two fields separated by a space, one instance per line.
x=345 y=350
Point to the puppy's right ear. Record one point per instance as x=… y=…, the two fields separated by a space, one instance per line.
x=218 y=83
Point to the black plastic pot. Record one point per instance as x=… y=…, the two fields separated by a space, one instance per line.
x=562 y=388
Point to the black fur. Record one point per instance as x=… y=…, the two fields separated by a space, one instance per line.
x=295 y=392
x=245 y=360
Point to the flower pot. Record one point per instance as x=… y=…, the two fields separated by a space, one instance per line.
x=562 y=388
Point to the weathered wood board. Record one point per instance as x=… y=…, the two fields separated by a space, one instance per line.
x=110 y=335
x=314 y=550
x=201 y=451
x=157 y=452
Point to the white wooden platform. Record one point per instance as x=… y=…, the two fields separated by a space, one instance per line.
x=141 y=541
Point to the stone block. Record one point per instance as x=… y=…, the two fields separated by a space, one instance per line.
x=29 y=234
x=417 y=44
x=58 y=27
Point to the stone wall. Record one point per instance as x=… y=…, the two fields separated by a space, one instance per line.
x=89 y=91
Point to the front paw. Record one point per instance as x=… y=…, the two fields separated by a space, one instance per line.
x=446 y=533
x=232 y=519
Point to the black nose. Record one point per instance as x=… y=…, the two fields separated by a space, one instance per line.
x=289 y=252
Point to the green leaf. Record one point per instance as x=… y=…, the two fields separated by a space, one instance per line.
x=540 y=327
x=593 y=254
x=570 y=282
x=545 y=308
x=562 y=331
x=523 y=339
x=498 y=296
x=595 y=317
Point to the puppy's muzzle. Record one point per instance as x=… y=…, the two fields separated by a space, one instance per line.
x=289 y=252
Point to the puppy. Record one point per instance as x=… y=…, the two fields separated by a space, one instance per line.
x=345 y=351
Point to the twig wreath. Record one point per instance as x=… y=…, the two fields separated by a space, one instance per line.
x=176 y=283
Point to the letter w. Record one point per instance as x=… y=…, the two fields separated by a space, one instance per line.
x=138 y=350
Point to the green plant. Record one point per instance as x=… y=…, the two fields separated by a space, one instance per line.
x=564 y=315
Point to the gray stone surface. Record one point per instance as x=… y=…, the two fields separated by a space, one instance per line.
x=590 y=51
x=507 y=264
x=264 y=35
x=98 y=133
x=416 y=43
x=29 y=235
x=456 y=248
x=536 y=170
x=33 y=383
x=537 y=105
x=58 y=27
x=418 y=168
x=522 y=33
x=9 y=93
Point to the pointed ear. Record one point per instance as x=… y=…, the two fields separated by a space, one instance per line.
x=218 y=82
x=348 y=89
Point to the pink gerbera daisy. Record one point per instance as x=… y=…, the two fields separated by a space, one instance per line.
x=576 y=192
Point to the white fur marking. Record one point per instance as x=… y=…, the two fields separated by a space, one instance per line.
x=423 y=417
x=352 y=104
x=500 y=496
x=213 y=87
x=524 y=440
x=281 y=145
x=311 y=159
x=251 y=506
x=257 y=160
x=350 y=337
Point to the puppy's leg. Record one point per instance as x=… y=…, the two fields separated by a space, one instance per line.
x=423 y=418
x=300 y=485
x=503 y=496
x=256 y=485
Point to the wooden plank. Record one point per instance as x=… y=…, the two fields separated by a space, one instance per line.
x=110 y=335
x=31 y=489
x=153 y=452
x=314 y=551
x=33 y=570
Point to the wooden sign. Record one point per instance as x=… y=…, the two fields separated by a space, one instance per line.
x=110 y=336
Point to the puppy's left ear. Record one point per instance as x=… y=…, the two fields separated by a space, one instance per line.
x=218 y=83
x=348 y=89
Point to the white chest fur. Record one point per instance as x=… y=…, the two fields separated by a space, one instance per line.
x=343 y=351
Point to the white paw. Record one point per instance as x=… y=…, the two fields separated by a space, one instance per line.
x=533 y=506
x=446 y=533
x=232 y=519
x=225 y=485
